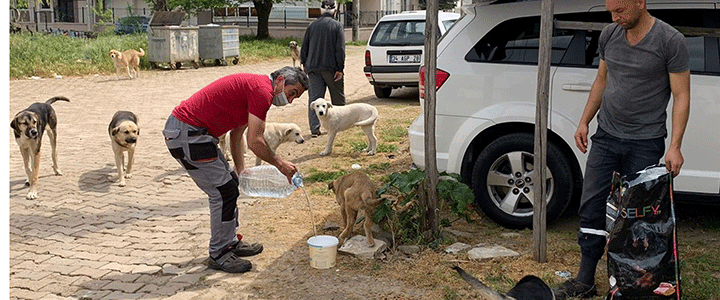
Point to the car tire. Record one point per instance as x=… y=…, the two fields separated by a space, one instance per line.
x=506 y=197
x=382 y=92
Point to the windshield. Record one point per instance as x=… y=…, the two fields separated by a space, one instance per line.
x=399 y=33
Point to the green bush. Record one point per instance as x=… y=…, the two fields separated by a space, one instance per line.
x=401 y=212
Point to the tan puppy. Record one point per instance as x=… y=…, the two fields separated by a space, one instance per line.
x=124 y=132
x=353 y=192
x=338 y=118
x=128 y=60
x=28 y=126
x=294 y=51
x=275 y=134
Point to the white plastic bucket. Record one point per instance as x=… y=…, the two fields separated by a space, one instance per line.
x=323 y=250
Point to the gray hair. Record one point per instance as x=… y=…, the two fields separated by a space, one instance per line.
x=292 y=76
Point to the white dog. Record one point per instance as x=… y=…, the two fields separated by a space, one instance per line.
x=275 y=134
x=338 y=118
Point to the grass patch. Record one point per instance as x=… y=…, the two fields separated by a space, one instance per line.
x=380 y=168
x=394 y=133
x=49 y=55
x=326 y=177
x=381 y=147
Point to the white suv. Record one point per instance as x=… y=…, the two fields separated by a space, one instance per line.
x=395 y=49
x=486 y=94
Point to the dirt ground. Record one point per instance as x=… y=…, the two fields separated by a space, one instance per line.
x=282 y=271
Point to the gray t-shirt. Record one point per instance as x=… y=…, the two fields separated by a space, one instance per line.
x=637 y=93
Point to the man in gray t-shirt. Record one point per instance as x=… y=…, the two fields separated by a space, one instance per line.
x=643 y=61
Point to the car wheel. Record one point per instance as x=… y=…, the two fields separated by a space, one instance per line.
x=382 y=92
x=502 y=183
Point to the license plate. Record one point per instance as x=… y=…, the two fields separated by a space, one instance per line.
x=404 y=58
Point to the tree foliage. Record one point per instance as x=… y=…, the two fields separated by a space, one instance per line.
x=442 y=4
x=263 y=8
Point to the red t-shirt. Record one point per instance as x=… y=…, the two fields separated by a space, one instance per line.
x=225 y=103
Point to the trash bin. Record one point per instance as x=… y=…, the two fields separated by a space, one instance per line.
x=219 y=43
x=170 y=43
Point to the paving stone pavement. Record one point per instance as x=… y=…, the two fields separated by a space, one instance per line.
x=87 y=238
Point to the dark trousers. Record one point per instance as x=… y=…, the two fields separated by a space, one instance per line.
x=608 y=154
x=318 y=82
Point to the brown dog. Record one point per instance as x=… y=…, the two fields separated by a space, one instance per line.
x=353 y=192
x=124 y=132
x=28 y=126
x=294 y=51
x=128 y=60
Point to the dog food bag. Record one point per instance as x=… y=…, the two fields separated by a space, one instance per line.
x=642 y=254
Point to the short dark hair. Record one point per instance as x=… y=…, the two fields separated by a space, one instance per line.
x=292 y=75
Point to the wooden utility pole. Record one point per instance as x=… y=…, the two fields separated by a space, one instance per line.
x=355 y=20
x=541 y=117
x=431 y=172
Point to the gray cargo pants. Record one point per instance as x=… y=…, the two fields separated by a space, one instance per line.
x=197 y=151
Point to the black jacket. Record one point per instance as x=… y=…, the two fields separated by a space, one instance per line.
x=323 y=47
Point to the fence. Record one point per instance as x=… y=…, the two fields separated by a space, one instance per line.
x=293 y=16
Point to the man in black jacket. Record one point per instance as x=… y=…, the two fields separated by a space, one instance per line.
x=323 y=58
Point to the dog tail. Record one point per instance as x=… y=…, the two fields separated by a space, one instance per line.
x=485 y=291
x=369 y=120
x=53 y=99
x=142 y=52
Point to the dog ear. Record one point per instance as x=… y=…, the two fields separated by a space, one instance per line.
x=138 y=131
x=115 y=131
x=329 y=104
x=13 y=124
x=330 y=186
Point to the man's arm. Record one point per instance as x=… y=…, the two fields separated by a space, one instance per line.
x=680 y=86
x=304 y=48
x=592 y=106
x=339 y=52
x=258 y=145
x=237 y=147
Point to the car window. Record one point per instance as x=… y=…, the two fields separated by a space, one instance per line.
x=702 y=34
x=447 y=24
x=517 y=40
x=399 y=33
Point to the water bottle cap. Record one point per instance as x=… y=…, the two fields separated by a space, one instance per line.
x=297 y=180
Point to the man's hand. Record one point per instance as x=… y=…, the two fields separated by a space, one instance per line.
x=674 y=161
x=338 y=76
x=581 y=140
x=287 y=168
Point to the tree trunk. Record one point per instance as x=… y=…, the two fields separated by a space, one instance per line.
x=263 y=14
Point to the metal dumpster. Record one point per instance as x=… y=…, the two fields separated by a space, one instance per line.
x=170 y=43
x=219 y=43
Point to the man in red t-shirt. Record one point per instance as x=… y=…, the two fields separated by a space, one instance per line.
x=233 y=103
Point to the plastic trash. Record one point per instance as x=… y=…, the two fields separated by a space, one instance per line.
x=267 y=181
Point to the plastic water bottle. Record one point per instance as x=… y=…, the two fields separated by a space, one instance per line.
x=267 y=181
